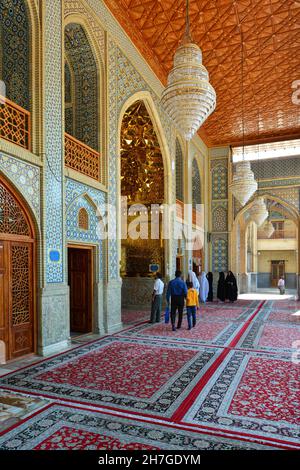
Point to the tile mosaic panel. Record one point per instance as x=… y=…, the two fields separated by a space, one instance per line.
x=26 y=178
x=80 y=196
x=53 y=140
x=15 y=53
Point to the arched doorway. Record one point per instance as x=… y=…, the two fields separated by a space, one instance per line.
x=17 y=275
x=259 y=259
x=142 y=183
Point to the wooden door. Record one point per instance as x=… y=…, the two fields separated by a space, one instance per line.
x=81 y=292
x=3 y=297
x=277 y=271
x=17 y=280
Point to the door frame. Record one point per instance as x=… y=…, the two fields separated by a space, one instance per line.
x=33 y=240
x=92 y=249
x=276 y=263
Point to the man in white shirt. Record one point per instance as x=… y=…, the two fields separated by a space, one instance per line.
x=157 y=299
x=281 y=286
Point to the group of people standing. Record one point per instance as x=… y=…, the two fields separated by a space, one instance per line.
x=192 y=291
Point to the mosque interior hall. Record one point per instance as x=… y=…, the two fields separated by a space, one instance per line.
x=149 y=225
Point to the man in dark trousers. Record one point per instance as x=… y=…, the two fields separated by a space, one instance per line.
x=177 y=291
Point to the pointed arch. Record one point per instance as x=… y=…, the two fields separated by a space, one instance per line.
x=162 y=144
x=147 y=99
x=17 y=273
x=80 y=57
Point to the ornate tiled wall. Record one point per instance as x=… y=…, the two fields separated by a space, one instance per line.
x=196 y=184
x=276 y=168
x=179 y=172
x=14 y=68
x=79 y=195
x=26 y=178
x=81 y=59
x=219 y=213
x=219 y=216
x=53 y=155
x=219 y=253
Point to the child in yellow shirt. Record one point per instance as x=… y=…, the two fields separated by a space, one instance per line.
x=192 y=302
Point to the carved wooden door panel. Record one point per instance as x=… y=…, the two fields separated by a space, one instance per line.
x=21 y=305
x=17 y=286
x=3 y=295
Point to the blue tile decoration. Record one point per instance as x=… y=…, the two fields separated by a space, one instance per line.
x=275 y=168
x=53 y=169
x=219 y=216
x=26 y=178
x=196 y=184
x=219 y=182
x=219 y=254
x=179 y=172
x=79 y=195
x=54 y=256
x=15 y=51
x=219 y=207
x=85 y=95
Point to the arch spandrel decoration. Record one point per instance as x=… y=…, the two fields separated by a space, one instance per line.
x=12 y=218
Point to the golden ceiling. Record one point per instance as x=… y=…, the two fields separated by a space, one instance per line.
x=271 y=31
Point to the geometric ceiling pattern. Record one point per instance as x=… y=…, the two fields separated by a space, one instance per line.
x=271 y=59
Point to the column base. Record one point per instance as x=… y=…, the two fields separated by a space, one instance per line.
x=54 y=319
x=247 y=282
x=99 y=309
x=112 y=306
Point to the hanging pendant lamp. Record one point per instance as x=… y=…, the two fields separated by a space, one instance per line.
x=189 y=98
x=258 y=211
x=268 y=229
x=243 y=184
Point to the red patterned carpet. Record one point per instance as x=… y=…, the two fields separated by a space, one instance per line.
x=134 y=316
x=232 y=382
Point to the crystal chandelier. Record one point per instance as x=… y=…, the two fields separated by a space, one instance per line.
x=189 y=98
x=243 y=184
x=269 y=229
x=258 y=211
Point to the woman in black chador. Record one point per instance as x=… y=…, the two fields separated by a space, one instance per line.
x=231 y=290
x=210 y=279
x=221 y=287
